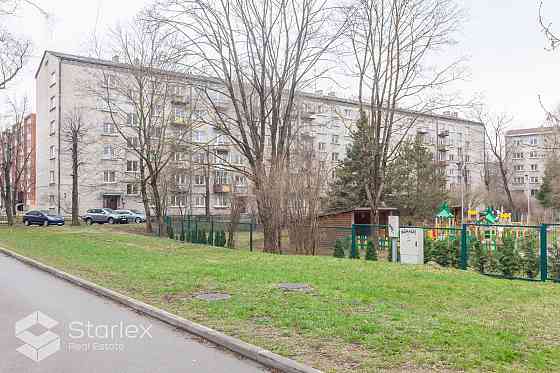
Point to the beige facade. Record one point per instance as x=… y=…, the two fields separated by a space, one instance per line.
x=528 y=150
x=109 y=176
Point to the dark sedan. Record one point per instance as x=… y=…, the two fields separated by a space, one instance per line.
x=44 y=218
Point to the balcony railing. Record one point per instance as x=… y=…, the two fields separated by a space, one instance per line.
x=222 y=188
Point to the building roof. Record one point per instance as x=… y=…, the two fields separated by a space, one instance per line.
x=529 y=131
x=327 y=98
x=336 y=212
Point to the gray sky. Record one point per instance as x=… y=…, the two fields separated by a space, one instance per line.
x=508 y=62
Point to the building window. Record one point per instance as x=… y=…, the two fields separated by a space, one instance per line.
x=52 y=152
x=108 y=152
x=240 y=180
x=52 y=200
x=321 y=145
x=334 y=157
x=52 y=128
x=533 y=141
x=181 y=179
x=199 y=136
x=518 y=180
x=132 y=119
x=179 y=156
x=534 y=192
x=132 y=189
x=179 y=115
x=178 y=200
x=131 y=166
x=199 y=179
x=199 y=158
x=132 y=142
x=334 y=139
x=238 y=159
x=108 y=128
x=53 y=78
x=533 y=154
x=199 y=200
x=517 y=155
x=222 y=200
x=109 y=176
x=534 y=180
x=53 y=102
x=348 y=113
x=220 y=177
x=534 y=167
x=51 y=177
x=518 y=167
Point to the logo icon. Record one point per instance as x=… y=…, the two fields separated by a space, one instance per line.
x=37 y=347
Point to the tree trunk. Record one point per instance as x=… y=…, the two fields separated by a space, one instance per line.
x=75 y=194
x=8 y=198
x=158 y=209
x=145 y=199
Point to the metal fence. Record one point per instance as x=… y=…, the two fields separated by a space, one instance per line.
x=528 y=252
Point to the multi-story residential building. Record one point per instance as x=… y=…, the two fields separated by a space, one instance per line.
x=528 y=149
x=23 y=164
x=108 y=175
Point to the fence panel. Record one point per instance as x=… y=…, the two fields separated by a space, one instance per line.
x=510 y=251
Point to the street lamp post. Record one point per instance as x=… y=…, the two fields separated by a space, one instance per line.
x=528 y=199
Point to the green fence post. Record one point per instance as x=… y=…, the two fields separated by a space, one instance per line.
x=464 y=248
x=544 y=253
x=211 y=237
x=251 y=236
x=353 y=248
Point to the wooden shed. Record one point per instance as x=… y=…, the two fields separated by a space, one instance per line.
x=338 y=224
x=358 y=215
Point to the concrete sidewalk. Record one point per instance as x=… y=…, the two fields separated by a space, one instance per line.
x=95 y=334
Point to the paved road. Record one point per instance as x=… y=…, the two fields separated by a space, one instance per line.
x=87 y=324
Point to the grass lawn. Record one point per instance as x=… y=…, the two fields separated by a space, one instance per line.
x=361 y=317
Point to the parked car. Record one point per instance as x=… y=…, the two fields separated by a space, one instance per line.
x=133 y=215
x=104 y=215
x=45 y=218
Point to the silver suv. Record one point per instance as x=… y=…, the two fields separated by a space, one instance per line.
x=102 y=216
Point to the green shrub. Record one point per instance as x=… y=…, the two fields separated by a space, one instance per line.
x=428 y=250
x=508 y=257
x=339 y=249
x=479 y=258
x=220 y=238
x=554 y=261
x=371 y=253
x=530 y=258
x=202 y=236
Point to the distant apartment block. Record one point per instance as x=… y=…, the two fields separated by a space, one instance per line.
x=528 y=150
x=109 y=176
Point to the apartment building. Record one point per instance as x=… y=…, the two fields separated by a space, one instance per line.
x=528 y=149
x=23 y=162
x=201 y=177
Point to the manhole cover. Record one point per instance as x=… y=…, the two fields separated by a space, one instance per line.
x=212 y=296
x=294 y=287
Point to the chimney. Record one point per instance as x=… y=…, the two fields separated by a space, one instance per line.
x=115 y=58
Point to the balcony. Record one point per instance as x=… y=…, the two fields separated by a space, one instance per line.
x=443 y=148
x=179 y=99
x=222 y=188
x=241 y=189
x=444 y=133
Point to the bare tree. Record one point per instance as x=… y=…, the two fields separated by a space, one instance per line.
x=391 y=42
x=14 y=157
x=306 y=183
x=74 y=134
x=14 y=50
x=255 y=56
x=501 y=152
x=237 y=205
x=148 y=104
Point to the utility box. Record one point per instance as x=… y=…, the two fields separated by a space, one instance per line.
x=412 y=245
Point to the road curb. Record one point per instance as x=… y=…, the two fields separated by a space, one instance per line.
x=260 y=355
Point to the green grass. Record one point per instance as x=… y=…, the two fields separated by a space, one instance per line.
x=361 y=316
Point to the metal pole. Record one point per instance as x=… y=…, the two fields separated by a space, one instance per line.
x=353 y=248
x=528 y=200
x=464 y=248
x=251 y=236
x=394 y=249
x=544 y=253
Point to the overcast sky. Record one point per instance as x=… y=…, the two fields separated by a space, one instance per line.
x=508 y=62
